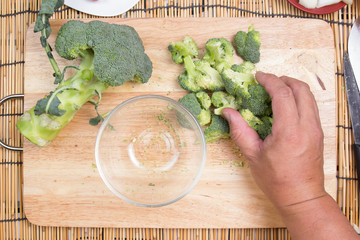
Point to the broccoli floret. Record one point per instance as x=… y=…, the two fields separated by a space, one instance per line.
x=209 y=78
x=247 y=45
x=191 y=102
x=261 y=126
x=259 y=102
x=110 y=55
x=245 y=67
x=184 y=48
x=204 y=99
x=187 y=79
x=250 y=118
x=219 y=128
x=219 y=53
x=198 y=75
x=265 y=129
x=223 y=100
x=237 y=83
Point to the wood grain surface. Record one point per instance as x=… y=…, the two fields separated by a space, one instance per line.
x=61 y=186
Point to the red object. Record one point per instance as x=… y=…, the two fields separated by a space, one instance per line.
x=323 y=10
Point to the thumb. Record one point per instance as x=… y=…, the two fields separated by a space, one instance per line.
x=242 y=134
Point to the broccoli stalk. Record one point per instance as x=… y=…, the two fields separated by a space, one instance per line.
x=42 y=25
x=111 y=55
x=44 y=121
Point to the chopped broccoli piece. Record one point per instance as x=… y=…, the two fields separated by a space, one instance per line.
x=204 y=117
x=204 y=99
x=237 y=83
x=259 y=102
x=223 y=100
x=261 y=126
x=219 y=128
x=184 y=48
x=250 y=118
x=110 y=55
x=245 y=67
x=191 y=102
x=219 y=53
x=247 y=45
x=187 y=79
x=198 y=75
x=209 y=78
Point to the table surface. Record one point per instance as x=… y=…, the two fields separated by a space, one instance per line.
x=16 y=17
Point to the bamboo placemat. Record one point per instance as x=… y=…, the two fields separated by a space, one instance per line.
x=16 y=15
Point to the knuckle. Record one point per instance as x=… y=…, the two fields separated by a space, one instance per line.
x=284 y=92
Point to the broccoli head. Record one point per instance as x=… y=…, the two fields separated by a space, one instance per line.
x=184 y=48
x=223 y=100
x=198 y=75
x=219 y=128
x=237 y=83
x=219 y=53
x=247 y=45
x=192 y=103
x=259 y=102
x=117 y=49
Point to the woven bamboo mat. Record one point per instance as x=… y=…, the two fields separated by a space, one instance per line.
x=16 y=15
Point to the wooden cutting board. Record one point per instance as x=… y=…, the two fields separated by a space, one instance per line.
x=62 y=187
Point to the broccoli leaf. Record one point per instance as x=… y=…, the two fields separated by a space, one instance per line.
x=52 y=107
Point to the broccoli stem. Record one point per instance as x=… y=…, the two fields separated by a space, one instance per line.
x=72 y=93
x=48 y=50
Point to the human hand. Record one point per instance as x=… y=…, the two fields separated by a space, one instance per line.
x=288 y=164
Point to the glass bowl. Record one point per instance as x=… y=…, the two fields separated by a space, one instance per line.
x=150 y=151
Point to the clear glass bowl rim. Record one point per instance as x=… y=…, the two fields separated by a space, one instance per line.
x=107 y=119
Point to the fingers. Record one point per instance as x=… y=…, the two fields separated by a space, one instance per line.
x=283 y=101
x=305 y=100
x=242 y=134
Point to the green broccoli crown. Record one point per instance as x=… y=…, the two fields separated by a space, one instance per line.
x=219 y=50
x=204 y=99
x=245 y=67
x=259 y=102
x=184 y=48
x=191 y=102
x=237 y=83
x=219 y=128
x=118 y=50
x=208 y=77
x=223 y=100
x=247 y=45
